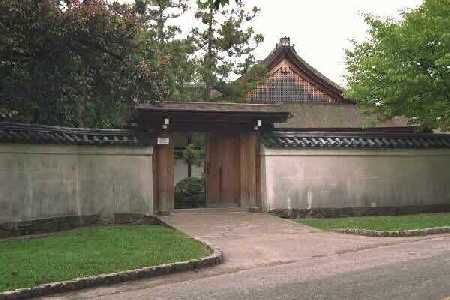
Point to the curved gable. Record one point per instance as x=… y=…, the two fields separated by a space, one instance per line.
x=291 y=79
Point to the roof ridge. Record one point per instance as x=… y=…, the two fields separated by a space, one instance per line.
x=11 y=132
x=218 y=103
x=361 y=140
x=315 y=71
x=33 y=126
x=285 y=48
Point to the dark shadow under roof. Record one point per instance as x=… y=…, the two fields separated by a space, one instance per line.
x=208 y=115
x=211 y=107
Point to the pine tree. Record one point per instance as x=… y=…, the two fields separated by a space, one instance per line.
x=171 y=53
x=225 y=41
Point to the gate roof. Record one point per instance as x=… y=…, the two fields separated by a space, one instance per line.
x=207 y=116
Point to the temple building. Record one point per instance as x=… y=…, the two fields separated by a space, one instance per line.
x=314 y=100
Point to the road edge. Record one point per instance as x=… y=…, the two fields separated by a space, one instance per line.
x=396 y=233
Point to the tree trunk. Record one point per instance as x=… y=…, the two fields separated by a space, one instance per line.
x=189 y=170
x=209 y=55
x=189 y=141
x=81 y=113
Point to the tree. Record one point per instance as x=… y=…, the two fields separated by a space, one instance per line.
x=404 y=67
x=161 y=35
x=238 y=90
x=193 y=155
x=218 y=3
x=72 y=62
x=225 y=41
x=158 y=13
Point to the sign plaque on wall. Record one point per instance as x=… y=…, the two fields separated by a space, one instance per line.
x=163 y=141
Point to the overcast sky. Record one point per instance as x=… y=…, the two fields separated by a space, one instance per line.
x=320 y=29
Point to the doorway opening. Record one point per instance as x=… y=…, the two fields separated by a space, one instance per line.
x=190 y=169
x=207 y=169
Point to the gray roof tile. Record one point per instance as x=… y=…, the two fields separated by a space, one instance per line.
x=40 y=134
x=357 y=139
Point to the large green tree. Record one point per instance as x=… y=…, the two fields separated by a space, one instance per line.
x=225 y=40
x=404 y=67
x=72 y=62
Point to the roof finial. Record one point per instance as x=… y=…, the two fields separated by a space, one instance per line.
x=285 y=42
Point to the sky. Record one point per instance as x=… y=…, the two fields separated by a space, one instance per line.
x=321 y=30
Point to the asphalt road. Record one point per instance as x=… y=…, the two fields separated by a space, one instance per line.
x=410 y=269
x=417 y=279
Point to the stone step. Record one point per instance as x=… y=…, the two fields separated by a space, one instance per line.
x=209 y=210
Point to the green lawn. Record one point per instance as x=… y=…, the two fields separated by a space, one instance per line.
x=388 y=223
x=88 y=251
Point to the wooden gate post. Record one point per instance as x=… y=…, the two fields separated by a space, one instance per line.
x=248 y=156
x=165 y=175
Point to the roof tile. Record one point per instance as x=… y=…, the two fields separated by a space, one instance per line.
x=40 y=134
x=357 y=139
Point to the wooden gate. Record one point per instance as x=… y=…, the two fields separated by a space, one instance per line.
x=231 y=172
x=223 y=185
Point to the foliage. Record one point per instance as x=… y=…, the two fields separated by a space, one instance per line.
x=194 y=152
x=218 y=3
x=237 y=90
x=387 y=223
x=225 y=41
x=87 y=63
x=404 y=68
x=193 y=155
x=190 y=193
x=74 y=63
x=91 y=251
x=161 y=35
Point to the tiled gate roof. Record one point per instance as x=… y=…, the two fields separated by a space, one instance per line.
x=360 y=140
x=40 y=134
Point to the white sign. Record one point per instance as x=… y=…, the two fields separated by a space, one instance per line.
x=163 y=141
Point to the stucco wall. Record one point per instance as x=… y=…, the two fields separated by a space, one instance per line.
x=308 y=179
x=307 y=115
x=42 y=181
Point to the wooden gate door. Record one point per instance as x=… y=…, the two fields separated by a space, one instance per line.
x=223 y=170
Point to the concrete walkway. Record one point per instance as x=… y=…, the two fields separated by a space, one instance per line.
x=250 y=240
x=268 y=256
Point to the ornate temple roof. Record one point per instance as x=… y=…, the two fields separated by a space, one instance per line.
x=292 y=79
x=284 y=49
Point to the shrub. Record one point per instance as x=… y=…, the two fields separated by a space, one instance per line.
x=190 y=193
